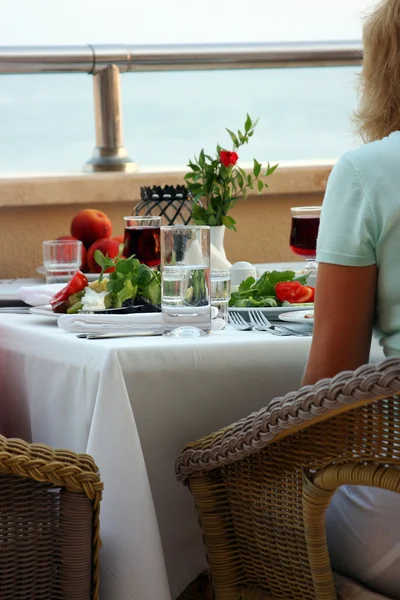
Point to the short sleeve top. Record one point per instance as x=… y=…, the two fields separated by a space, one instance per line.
x=360 y=226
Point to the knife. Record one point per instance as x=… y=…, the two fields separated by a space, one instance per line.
x=110 y=335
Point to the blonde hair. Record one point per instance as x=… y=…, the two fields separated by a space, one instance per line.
x=378 y=113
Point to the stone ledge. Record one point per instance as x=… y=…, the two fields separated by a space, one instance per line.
x=81 y=188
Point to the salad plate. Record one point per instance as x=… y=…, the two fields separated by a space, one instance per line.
x=44 y=311
x=47 y=311
x=274 y=293
x=300 y=316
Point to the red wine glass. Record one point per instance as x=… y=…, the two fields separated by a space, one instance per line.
x=304 y=233
x=142 y=239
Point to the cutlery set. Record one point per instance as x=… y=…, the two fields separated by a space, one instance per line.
x=259 y=322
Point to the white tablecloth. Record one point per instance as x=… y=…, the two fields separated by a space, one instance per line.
x=133 y=404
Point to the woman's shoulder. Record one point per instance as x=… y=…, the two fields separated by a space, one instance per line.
x=375 y=155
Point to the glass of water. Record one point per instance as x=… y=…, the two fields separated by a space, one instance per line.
x=185 y=274
x=221 y=293
x=61 y=258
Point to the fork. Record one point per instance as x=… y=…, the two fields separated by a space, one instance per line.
x=241 y=325
x=260 y=322
x=238 y=322
x=258 y=325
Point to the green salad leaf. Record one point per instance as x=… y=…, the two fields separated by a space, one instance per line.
x=261 y=293
x=130 y=280
x=246 y=284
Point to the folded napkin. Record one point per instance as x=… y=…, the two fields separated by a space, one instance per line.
x=218 y=261
x=38 y=295
x=103 y=323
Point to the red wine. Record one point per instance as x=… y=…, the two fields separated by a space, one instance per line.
x=303 y=235
x=144 y=243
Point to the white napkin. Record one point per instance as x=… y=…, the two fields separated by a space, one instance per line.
x=92 y=323
x=103 y=323
x=38 y=295
x=218 y=260
x=194 y=255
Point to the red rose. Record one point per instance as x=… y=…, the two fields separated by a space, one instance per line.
x=228 y=159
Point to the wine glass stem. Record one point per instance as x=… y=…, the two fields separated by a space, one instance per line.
x=311 y=263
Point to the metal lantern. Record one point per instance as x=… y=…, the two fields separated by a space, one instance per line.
x=173 y=204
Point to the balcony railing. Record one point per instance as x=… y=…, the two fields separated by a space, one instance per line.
x=106 y=63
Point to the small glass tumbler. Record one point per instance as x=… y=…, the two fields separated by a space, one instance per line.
x=185 y=280
x=142 y=239
x=221 y=293
x=61 y=259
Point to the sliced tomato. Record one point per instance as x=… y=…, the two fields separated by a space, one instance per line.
x=77 y=283
x=287 y=290
x=294 y=292
x=312 y=293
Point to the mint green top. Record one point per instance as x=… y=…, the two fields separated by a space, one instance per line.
x=360 y=226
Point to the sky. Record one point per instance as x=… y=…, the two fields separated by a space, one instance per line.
x=178 y=21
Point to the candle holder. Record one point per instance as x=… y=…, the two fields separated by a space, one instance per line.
x=173 y=204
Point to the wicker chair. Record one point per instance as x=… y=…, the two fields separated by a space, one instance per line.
x=262 y=485
x=49 y=523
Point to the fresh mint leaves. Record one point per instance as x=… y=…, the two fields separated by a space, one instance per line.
x=262 y=292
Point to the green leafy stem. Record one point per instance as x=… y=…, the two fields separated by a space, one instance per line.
x=219 y=186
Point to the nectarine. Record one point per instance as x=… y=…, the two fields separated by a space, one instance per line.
x=106 y=246
x=83 y=263
x=90 y=225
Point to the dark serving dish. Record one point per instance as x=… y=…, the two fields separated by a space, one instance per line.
x=126 y=310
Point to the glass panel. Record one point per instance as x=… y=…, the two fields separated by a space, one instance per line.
x=304 y=113
x=47 y=121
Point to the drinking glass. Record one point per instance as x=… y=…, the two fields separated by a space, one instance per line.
x=61 y=259
x=221 y=293
x=304 y=233
x=185 y=280
x=142 y=238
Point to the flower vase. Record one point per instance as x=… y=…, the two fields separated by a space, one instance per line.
x=217 y=234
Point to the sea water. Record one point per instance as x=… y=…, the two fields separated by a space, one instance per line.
x=169 y=116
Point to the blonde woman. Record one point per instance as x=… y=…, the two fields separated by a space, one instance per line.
x=358 y=290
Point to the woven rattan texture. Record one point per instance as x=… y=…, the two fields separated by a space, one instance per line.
x=261 y=486
x=200 y=589
x=49 y=523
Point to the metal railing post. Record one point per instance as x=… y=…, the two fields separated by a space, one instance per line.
x=110 y=153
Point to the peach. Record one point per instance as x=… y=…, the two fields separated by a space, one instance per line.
x=90 y=225
x=106 y=246
x=70 y=237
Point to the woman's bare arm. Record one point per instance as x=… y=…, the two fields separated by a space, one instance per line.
x=343 y=320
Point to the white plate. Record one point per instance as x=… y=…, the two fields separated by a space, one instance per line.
x=298 y=317
x=271 y=312
x=17 y=310
x=89 y=276
x=44 y=311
